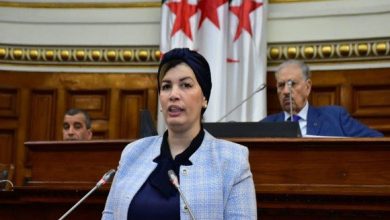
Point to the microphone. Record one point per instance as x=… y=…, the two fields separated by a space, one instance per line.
x=260 y=88
x=289 y=84
x=175 y=182
x=106 y=177
x=7 y=181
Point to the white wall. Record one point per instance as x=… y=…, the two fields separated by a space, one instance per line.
x=135 y=24
x=107 y=26
x=305 y=21
x=329 y=20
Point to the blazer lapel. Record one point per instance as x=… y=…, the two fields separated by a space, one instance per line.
x=145 y=168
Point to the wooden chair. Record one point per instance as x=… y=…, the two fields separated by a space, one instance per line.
x=6 y=175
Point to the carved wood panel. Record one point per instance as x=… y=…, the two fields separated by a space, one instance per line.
x=131 y=103
x=9 y=98
x=7 y=149
x=372 y=100
x=325 y=96
x=97 y=104
x=42 y=110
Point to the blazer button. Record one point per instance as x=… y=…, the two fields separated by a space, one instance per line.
x=185 y=172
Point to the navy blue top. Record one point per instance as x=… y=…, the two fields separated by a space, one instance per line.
x=158 y=198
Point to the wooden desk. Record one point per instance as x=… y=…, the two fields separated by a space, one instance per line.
x=68 y=163
x=294 y=178
x=321 y=178
x=50 y=203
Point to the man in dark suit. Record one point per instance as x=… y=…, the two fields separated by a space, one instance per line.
x=294 y=76
x=76 y=126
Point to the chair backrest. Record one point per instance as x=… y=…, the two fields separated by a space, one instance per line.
x=147 y=127
x=6 y=173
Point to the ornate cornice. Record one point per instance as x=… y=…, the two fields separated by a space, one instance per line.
x=79 y=56
x=311 y=52
x=332 y=51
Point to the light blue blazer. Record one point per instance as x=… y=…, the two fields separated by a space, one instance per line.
x=219 y=184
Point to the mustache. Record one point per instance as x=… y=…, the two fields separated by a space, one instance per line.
x=287 y=98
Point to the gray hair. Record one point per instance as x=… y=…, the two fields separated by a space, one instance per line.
x=75 y=111
x=305 y=68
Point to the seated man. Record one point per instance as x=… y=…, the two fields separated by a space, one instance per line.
x=294 y=75
x=77 y=125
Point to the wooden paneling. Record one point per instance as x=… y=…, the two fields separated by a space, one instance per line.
x=7 y=143
x=32 y=106
x=325 y=96
x=286 y=165
x=49 y=203
x=64 y=163
x=131 y=101
x=9 y=115
x=43 y=109
x=97 y=104
x=329 y=166
x=46 y=204
x=372 y=101
x=9 y=102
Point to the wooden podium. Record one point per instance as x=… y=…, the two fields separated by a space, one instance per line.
x=295 y=178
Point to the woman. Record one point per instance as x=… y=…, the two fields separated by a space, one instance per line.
x=214 y=174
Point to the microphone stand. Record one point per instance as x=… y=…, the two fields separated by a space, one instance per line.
x=78 y=203
x=289 y=84
x=172 y=176
x=261 y=87
x=185 y=202
x=101 y=182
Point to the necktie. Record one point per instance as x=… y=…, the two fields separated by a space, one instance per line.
x=295 y=118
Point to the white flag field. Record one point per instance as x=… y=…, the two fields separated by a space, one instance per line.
x=231 y=36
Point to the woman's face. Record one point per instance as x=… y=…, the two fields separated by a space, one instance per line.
x=181 y=99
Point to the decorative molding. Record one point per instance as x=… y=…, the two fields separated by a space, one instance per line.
x=80 y=56
x=372 y=50
x=332 y=51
